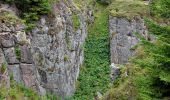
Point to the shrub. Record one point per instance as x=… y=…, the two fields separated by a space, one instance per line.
x=31 y=9
x=160 y=8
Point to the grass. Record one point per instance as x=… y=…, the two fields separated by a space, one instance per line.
x=20 y=92
x=8 y=17
x=128 y=8
x=18 y=52
x=76 y=22
x=94 y=76
x=124 y=87
x=3 y=68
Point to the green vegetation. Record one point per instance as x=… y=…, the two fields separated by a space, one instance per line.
x=76 y=22
x=94 y=75
x=160 y=8
x=66 y=57
x=20 y=92
x=146 y=77
x=148 y=72
x=31 y=10
x=3 y=68
x=16 y=92
x=18 y=52
x=128 y=8
x=156 y=61
x=8 y=17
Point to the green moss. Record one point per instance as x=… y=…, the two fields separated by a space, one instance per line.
x=81 y=4
x=128 y=8
x=66 y=57
x=18 y=52
x=3 y=68
x=8 y=17
x=76 y=21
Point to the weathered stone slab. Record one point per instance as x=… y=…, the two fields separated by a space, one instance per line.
x=122 y=38
x=15 y=71
x=2 y=58
x=7 y=41
x=11 y=56
x=26 y=56
x=28 y=75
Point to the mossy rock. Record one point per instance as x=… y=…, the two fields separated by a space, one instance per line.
x=128 y=8
x=8 y=17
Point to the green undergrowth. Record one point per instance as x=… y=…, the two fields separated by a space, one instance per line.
x=94 y=75
x=20 y=92
x=18 y=52
x=147 y=76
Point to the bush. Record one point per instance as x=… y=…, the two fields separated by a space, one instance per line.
x=160 y=8
x=31 y=9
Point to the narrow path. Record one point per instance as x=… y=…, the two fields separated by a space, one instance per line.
x=94 y=75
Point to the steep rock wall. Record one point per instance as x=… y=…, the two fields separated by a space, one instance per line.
x=16 y=58
x=47 y=58
x=122 y=37
x=57 y=49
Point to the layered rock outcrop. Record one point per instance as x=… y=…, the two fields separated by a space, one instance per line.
x=57 y=49
x=122 y=37
x=15 y=50
x=47 y=58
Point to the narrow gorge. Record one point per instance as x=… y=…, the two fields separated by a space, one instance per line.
x=84 y=50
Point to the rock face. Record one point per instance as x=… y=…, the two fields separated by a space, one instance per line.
x=49 y=57
x=122 y=38
x=15 y=51
x=57 y=49
x=115 y=71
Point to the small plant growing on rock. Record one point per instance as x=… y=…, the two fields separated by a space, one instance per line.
x=66 y=58
x=3 y=68
x=18 y=52
x=76 y=22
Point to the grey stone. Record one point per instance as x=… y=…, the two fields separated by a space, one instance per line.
x=15 y=71
x=21 y=37
x=115 y=71
x=61 y=57
x=122 y=38
x=4 y=28
x=28 y=74
x=11 y=56
x=2 y=58
x=7 y=41
x=26 y=56
x=19 y=27
x=49 y=62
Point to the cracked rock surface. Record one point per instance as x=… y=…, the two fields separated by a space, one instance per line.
x=47 y=58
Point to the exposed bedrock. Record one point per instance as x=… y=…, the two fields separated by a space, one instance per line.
x=49 y=57
x=57 y=49
x=122 y=37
